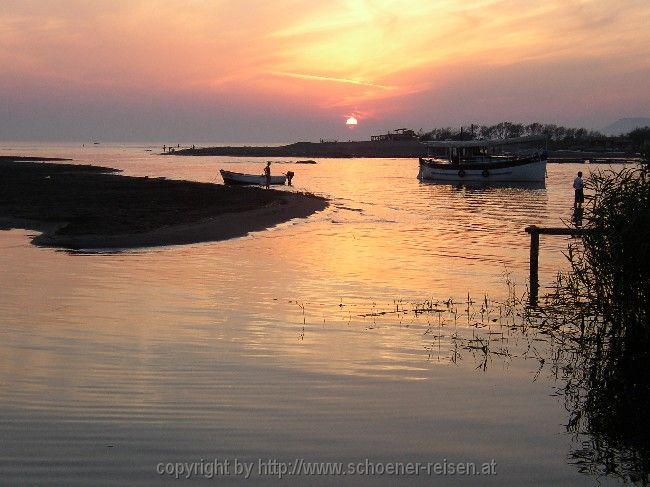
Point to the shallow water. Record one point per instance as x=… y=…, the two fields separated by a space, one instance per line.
x=274 y=346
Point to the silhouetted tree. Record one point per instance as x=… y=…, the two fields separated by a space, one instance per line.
x=561 y=137
x=639 y=137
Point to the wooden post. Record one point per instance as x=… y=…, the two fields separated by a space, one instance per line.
x=534 y=232
x=534 y=263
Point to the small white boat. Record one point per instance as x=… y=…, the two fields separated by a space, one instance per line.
x=230 y=177
x=484 y=161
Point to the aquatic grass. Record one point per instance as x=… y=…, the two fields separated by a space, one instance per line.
x=596 y=317
x=600 y=376
x=451 y=329
x=589 y=333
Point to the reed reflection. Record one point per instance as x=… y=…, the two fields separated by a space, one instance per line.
x=600 y=374
x=600 y=362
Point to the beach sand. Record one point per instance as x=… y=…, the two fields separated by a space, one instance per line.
x=90 y=207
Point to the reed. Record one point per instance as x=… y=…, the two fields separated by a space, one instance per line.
x=597 y=319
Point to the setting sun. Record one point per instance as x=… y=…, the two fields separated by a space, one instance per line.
x=351 y=122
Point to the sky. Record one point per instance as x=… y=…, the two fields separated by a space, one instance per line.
x=289 y=70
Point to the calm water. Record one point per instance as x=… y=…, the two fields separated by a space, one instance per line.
x=275 y=345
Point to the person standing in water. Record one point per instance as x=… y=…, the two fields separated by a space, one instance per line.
x=578 y=185
x=267 y=174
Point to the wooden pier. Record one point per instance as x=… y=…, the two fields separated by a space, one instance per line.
x=535 y=232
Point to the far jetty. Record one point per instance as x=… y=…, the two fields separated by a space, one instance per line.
x=313 y=149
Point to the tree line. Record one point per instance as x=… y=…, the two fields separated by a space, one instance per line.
x=557 y=135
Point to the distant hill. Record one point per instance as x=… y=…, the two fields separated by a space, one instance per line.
x=625 y=125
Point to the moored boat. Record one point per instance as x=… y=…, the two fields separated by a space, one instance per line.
x=484 y=161
x=231 y=177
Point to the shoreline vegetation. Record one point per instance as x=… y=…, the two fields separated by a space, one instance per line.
x=597 y=319
x=92 y=207
x=564 y=144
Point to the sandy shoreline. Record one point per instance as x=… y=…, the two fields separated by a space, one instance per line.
x=219 y=227
x=85 y=207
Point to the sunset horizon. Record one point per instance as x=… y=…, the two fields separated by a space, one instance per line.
x=223 y=71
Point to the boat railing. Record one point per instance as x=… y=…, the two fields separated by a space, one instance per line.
x=483 y=158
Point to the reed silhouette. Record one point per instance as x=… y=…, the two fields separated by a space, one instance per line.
x=597 y=315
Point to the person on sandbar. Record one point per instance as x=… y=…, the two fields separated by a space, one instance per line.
x=267 y=174
x=578 y=185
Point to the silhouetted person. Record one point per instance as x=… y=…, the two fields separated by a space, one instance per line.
x=267 y=174
x=578 y=185
x=289 y=177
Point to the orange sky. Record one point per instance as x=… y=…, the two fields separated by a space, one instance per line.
x=296 y=69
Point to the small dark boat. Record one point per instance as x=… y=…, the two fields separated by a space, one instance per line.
x=230 y=177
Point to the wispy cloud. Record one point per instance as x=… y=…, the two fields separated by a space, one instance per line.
x=313 y=77
x=379 y=55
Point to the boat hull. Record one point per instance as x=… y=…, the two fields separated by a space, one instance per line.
x=237 y=178
x=531 y=169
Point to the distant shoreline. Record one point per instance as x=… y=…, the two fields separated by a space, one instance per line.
x=380 y=149
x=90 y=207
x=313 y=149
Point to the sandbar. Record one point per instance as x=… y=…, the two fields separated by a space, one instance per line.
x=92 y=207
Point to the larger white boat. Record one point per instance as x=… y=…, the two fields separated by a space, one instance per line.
x=485 y=161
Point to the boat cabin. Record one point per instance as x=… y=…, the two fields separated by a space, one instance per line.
x=456 y=151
